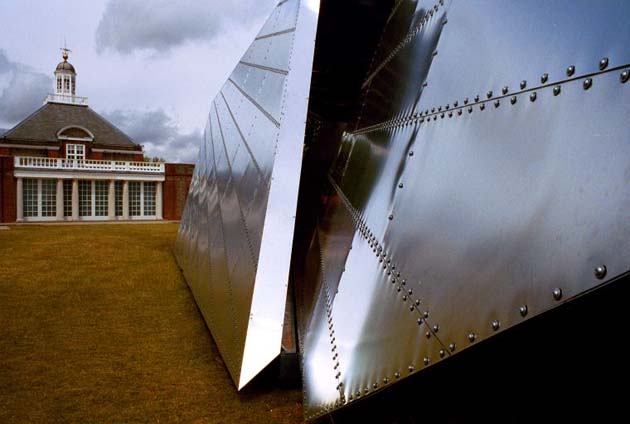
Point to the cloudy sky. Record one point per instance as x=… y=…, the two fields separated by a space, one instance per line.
x=150 y=66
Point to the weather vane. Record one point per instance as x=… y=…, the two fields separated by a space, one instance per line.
x=65 y=50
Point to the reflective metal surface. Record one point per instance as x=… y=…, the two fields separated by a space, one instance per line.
x=483 y=180
x=235 y=240
x=486 y=178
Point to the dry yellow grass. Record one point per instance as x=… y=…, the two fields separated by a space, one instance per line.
x=97 y=325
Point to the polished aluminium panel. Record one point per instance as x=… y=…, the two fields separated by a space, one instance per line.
x=235 y=240
x=493 y=209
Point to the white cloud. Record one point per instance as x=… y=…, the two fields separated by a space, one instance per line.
x=159 y=133
x=24 y=91
x=160 y=25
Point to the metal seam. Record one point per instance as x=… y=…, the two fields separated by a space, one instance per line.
x=234 y=328
x=378 y=46
x=227 y=276
x=264 y=68
x=348 y=206
x=255 y=103
x=329 y=305
x=365 y=230
x=442 y=110
x=238 y=128
x=404 y=42
x=393 y=12
x=238 y=200
x=274 y=34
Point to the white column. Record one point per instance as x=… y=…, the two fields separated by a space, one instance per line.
x=142 y=199
x=158 y=200
x=39 y=198
x=19 y=200
x=111 y=201
x=59 y=199
x=93 y=196
x=125 y=199
x=75 y=200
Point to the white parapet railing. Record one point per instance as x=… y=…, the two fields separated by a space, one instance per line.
x=88 y=165
x=67 y=99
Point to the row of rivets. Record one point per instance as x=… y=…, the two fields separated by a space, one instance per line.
x=387 y=265
x=434 y=112
x=408 y=38
x=600 y=273
x=331 y=330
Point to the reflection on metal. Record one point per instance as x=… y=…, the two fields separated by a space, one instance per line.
x=234 y=243
x=485 y=184
x=483 y=181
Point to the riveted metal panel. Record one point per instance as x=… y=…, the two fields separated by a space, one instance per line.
x=494 y=199
x=234 y=243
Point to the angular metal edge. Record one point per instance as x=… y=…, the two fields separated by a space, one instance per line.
x=264 y=332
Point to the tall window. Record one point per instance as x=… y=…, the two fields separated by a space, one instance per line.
x=67 y=84
x=149 y=199
x=49 y=197
x=135 y=206
x=118 y=186
x=85 y=198
x=29 y=197
x=75 y=151
x=67 y=197
x=74 y=85
x=101 y=192
x=59 y=84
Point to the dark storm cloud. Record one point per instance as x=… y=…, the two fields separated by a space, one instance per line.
x=25 y=91
x=159 y=134
x=159 y=25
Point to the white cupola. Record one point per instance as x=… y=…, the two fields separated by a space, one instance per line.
x=65 y=83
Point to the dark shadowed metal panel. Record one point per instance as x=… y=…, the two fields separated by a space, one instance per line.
x=235 y=239
x=487 y=181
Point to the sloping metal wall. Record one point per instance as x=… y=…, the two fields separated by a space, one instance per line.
x=485 y=180
x=234 y=242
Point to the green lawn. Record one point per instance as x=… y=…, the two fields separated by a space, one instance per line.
x=97 y=325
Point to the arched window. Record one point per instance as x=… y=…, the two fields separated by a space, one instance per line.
x=76 y=133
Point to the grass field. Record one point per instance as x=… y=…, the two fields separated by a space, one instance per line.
x=97 y=325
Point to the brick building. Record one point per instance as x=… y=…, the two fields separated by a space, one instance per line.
x=65 y=162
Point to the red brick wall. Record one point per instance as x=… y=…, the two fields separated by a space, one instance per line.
x=175 y=190
x=29 y=152
x=121 y=156
x=7 y=190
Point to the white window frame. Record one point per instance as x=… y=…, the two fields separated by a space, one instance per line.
x=39 y=210
x=67 y=199
x=75 y=151
x=142 y=199
x=95 y=198
x=142 y=211
x=39 y=198
x=91 y=195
